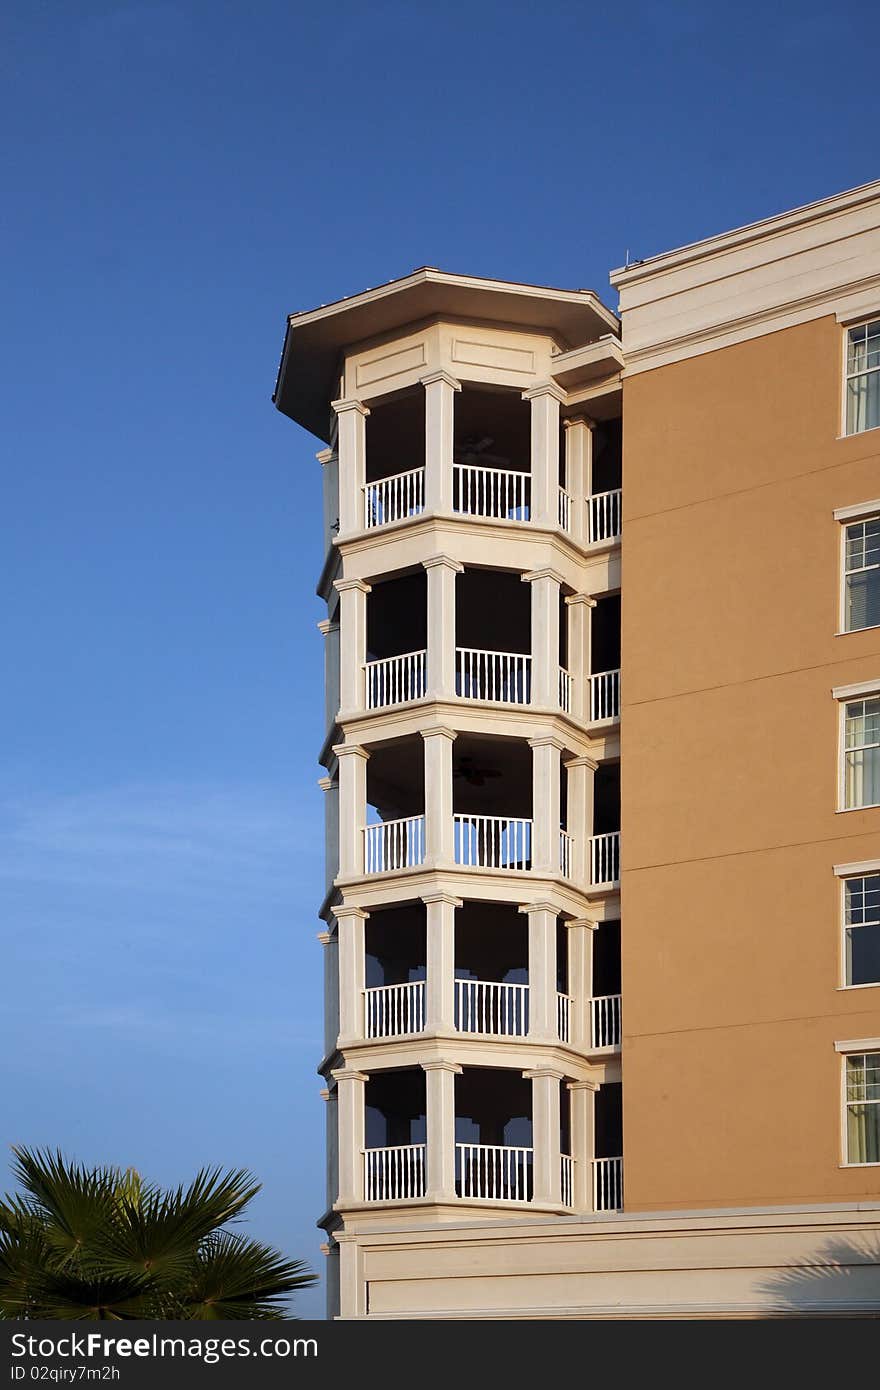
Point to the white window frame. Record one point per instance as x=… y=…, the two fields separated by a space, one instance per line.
x=853 y=1046
x=850 y=516
x=844 y=695
x=868 y=868
x=861 y=322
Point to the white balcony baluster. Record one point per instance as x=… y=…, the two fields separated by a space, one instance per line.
x=485 y=675
x=396 y=679
x=488 y=1006
x=563 y=1017
x=566 y=849
x=394 y=498
x=604 y=696
x=494 y=1172
x=503 y=493
x=605 y=1020
x=605 y=859
x=390 y=1010
x=607 y=1184
x=394 y=844
x=394 y=1174
x=604 y=515
x=493 y=842
x=564 y=509
x=567 y=1179
x=564 y=690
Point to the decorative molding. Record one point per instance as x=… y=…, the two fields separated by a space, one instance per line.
x=864 y=866
x=341 y=406
x=858 y=1045
x=343 y=586
x=445 y=560
x=855 y=513
x=440 y=375
x=847 y=692
x=546 y=388
x=343 y=750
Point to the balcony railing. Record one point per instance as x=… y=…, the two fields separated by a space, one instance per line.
x=487 y=1006
x=563 y=1017
x=605 y=859
x=604 y=515
x=493 y=842
x=390 y=1010
x=566 y=850
x=565 y=502
x=392 y=1175
x=605 y=1020
x=502 y=493
x=485 y=675
x=564 y=690
x=394 y=498
x=566 y=1176
x=607 y=1184
x=604 y=696
x=394 y=844
x=396 y=679
x=494 y=1172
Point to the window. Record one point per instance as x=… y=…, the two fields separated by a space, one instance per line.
x=863 y=377
x=861 y=574
x=863 y=1107
x=861 y=929
x=861 y=753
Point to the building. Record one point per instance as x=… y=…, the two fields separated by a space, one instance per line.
x=603 y=898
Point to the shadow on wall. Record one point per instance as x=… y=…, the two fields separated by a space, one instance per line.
x=844 y=1278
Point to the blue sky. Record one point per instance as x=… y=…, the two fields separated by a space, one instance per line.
x=176 y=178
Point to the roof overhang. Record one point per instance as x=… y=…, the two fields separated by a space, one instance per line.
x=315 y=339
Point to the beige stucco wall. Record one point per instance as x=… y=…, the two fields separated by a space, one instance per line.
x=730 y=828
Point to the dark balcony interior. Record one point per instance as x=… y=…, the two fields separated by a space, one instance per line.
x=492 y=1107
x=565 y=1120
x=607 y=455
x=395 y=431
x=397 y=616
x=605 y=635
x=395 y=945
x=606 y=959
x=491 y=776
x=561 y=958
x=395 y=1108
x=492 y=428
x=606 y=802
x=609 y=1120
x=491 y=943
x=493 y=611
x=396 y=779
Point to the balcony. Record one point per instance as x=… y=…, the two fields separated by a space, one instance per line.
x=565 y=682
x=605 y=860
x=394 y=844
x=391 y=1011
x=492 y=1007
x=604 y=696
x=604 y=516
x=396 y=679
x=563 y=1017
x=493 y=676
x=394 y=498
x=396 y=1173
x=499 y=494
x=605 y=1024
x=493 y=842
x=566 y=853
x=494 y=1172
x=607 y=1184
x=565 y=508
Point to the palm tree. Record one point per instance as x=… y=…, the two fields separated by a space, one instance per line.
x=102 y=1243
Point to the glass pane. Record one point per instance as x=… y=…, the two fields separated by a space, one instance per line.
x=863 y=403
x=855 y=1077
x=863 y=955
x=857 y=341
x=862 y=900
x=863 y=600
x=863 y=778
x=863 y=1134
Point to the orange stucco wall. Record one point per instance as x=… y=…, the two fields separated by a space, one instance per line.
x=730 y=828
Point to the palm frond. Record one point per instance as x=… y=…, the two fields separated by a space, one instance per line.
x=235 y=1277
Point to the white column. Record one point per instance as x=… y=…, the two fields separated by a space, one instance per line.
x=579 y=608
x=330 y=787
x=441 y=571
x=350 y=1087
x=352 y=1286
x=330 y=943
x=580 y=772
x=439 y=834
x=329 y=461
x=545 y=804
x=440 y=1125
x=352 y=969
x=440 y=389
x=578 y=472
x=542 y=971
x=440 y=983
x=546 y=1169
x=331 y=1130
x=352 y=448
x=352 y=644
x=583 y=1097
x=579 y=933
x=545 y=637
x=352 y=807
x=545 y=401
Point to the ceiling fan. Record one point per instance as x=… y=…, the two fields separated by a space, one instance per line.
x=476 y=776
